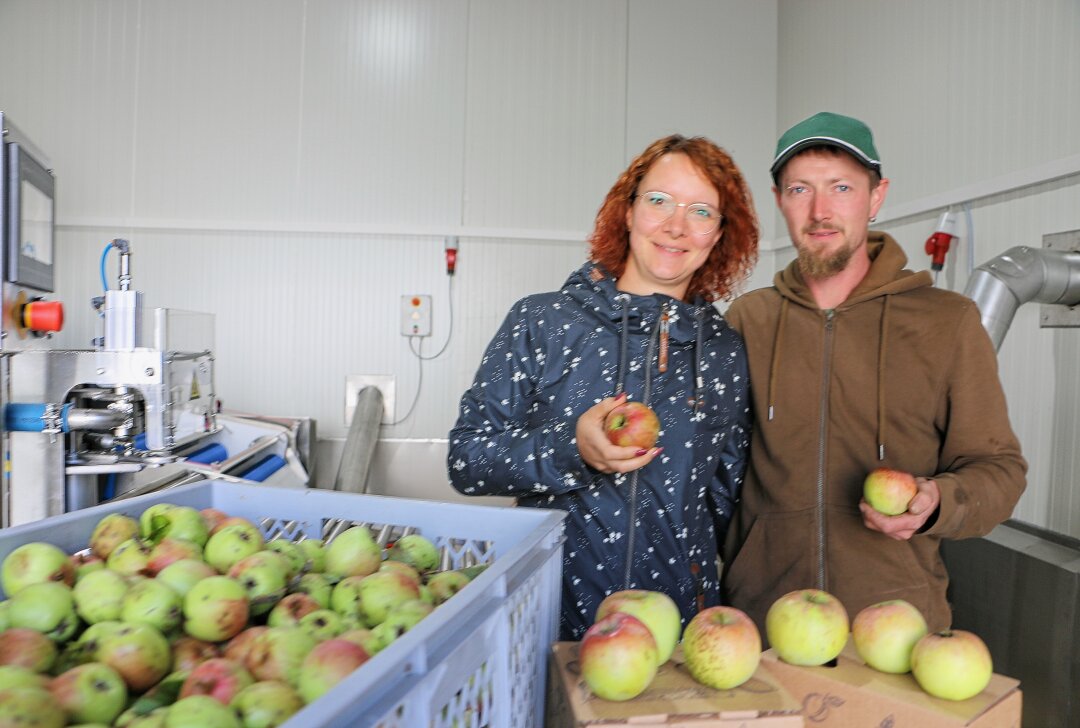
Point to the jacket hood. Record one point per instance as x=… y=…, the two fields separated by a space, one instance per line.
x=593 y=287
x=887 y=275
x=662 y=319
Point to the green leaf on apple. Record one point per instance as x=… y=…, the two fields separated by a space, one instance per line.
x=159 y=525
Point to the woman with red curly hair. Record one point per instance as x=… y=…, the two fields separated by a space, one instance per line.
x=676 y=233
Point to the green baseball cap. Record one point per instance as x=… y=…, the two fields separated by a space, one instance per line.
x=844 y=132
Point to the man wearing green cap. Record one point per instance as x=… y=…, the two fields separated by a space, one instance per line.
x=856 y=364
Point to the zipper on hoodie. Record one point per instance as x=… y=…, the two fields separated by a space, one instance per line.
x=632 y=527
x=822 y=432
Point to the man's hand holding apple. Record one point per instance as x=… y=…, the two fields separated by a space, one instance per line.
x=907 y=524
x=596 y=448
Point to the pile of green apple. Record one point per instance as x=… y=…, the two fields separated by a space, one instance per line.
x=810 y=627
x=180 y=617
x=636 y=631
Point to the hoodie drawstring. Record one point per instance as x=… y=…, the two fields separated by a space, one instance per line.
x=699 y=383
x=774 y=366
x=882 y=343
x=624 y=299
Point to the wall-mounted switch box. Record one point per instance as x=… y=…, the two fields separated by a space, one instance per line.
x=416 y=315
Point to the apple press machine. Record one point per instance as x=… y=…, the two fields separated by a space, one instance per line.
x=137 y=412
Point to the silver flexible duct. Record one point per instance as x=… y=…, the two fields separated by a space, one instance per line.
x=1020 y=275
x=360 y=442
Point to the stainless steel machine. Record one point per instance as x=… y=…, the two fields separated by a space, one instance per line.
x=137 y=412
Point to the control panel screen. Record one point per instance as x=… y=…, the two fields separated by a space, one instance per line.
x=36 y=230
x=30 y=226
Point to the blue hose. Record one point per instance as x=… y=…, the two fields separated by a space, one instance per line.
x=104 y=255
x=29 y=417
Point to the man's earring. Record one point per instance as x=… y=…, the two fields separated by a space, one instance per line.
x=873 y=219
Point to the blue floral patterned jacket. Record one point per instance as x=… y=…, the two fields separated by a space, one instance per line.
x=555 y=356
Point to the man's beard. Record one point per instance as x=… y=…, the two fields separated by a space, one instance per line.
x=817 y=265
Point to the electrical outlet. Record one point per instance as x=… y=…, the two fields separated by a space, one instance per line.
x=355 y=382
x=416 y=315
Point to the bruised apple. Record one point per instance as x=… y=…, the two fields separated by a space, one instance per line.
x=267 y=703
x=326 y=665
x=90 y=693
x=33 y=563
x=722 y=647
x=215 y=609
x=218 y=677
x=632 y=424
x=27 y=648
x=889 y=491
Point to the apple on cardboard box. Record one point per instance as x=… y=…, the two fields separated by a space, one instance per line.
x=807 y=627
x=673 y=698
x=722 y=647
x=885 y=633
x=655 y=609
x=618 y=657
x=852 y=693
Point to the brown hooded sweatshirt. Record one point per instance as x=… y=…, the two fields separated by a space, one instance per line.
x=901 y=375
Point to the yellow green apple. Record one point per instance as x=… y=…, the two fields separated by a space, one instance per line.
x=953 y=664
x=655 y=609
x=807 y=627
x=885 y=633
x=889 y=491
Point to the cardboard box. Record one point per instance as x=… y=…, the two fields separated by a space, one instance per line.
x=673 y=699
x=851 y=695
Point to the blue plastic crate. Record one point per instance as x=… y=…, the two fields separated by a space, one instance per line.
x=480 y=659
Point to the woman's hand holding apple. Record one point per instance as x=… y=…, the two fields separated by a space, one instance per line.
x=596 y=448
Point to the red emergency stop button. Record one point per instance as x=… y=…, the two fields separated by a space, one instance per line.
x=43 y=316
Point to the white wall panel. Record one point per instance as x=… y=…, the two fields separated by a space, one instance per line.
x=707 y=68
x=217 y=109
x=383 y=112
x=955 y=92
x=67 y=79
x=546 y=111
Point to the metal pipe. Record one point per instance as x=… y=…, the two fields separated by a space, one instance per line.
x=360 y=442
x=50 y=417
x=95 y=419
x=1018 y=276
x=125 y=263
